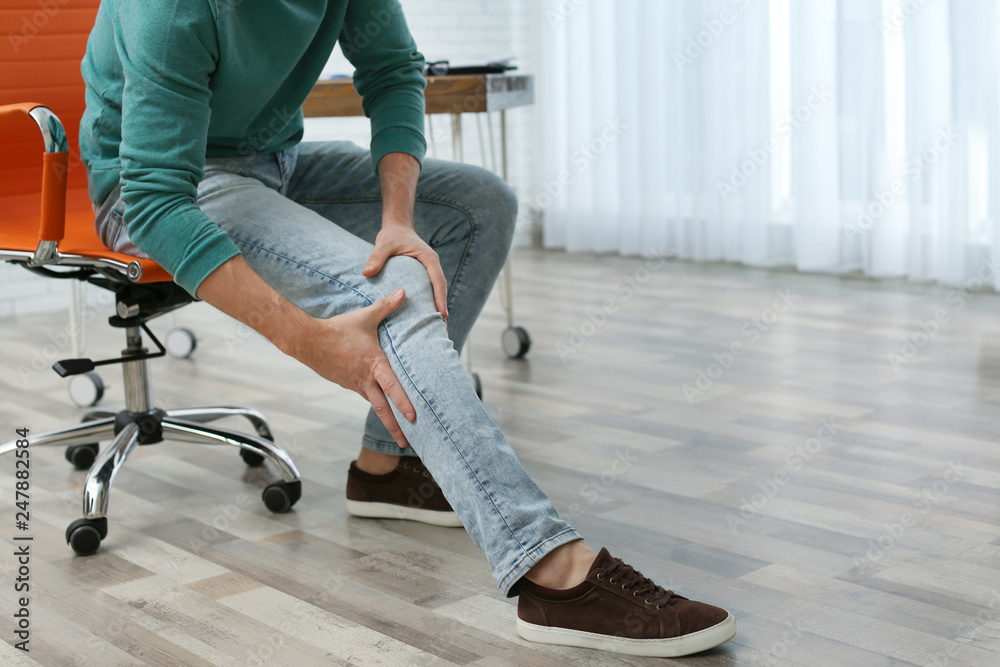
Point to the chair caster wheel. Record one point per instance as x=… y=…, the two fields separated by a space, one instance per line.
x=515 y=342
x=85 y=535
x=280 y=496
x=82 y=456
x=86 y=390
x=252 y=459
x=478 y=384
x=180 y=342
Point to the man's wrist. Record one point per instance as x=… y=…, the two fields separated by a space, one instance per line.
x=293 y=331
x=403 y=221
x=398 y=174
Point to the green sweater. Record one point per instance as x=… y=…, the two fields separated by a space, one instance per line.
x=171 y=82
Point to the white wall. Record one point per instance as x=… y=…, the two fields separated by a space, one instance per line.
x=443 y=29
x=23 y=293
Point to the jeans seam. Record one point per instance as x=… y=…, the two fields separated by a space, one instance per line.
x=425 y=200
x=409 y=377
x=528 y=553
x=332 y=279
x=386 y=443
x=420 y=200
x=376 y=441
x=447 y=434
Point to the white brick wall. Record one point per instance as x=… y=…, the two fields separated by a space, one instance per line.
x=23 y=293
x=443 y=29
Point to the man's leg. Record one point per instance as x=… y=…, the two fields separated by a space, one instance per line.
x=465 y=213
x=572 y=595
x=317 y=265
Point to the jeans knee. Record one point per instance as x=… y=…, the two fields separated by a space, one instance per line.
x=501 y=204
x=491 y=203
x=408 y=273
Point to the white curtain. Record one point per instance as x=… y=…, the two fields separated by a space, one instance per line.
x=831 y=135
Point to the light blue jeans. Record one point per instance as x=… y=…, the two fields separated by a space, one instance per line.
x=305 y=219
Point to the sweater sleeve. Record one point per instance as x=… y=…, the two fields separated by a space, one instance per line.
x=388 y=76
x=168 y=51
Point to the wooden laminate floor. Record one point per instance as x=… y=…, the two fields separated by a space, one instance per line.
x=842 y=502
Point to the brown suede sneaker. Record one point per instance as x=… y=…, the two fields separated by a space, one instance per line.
x=617 y=609
x=408 y=492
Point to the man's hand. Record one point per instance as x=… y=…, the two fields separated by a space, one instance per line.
x=343 y=349
x=398 y=174
x=398 y=239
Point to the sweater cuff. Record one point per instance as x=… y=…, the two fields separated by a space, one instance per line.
x=211 y=254
x=398 y=140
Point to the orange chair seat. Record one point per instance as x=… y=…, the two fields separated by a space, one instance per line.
x=81 y=239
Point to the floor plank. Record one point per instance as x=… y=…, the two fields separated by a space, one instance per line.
x=709 y=471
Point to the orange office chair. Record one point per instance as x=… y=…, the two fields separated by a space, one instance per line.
x=46 y=44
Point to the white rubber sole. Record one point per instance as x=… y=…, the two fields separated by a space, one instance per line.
x=388 y=511
x=673 y=647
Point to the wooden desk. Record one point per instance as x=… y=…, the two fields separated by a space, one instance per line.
x=452 y=95
x=474 y=93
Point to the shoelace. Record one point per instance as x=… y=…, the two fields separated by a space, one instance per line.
x=642 y=587
x=418 y=468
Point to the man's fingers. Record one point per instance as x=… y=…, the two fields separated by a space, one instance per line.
x=375 y=261
x=438 y=284
x=384 y=412
x=390 y=386
x=385 y=306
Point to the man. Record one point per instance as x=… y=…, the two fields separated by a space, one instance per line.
x=191 y=140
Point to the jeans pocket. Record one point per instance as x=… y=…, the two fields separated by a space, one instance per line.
x=117 y=231
x=113 y=231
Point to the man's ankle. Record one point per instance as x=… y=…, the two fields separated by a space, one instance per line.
x=376 y=463
x=564 y=567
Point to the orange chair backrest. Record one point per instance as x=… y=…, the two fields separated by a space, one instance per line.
x=41 y=45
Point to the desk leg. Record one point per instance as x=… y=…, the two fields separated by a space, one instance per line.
x=431 y=138
x=458 y=155
x=508 y=301
x=515 y=340
x=84 y=390
x=76 y=310
x=456 y=138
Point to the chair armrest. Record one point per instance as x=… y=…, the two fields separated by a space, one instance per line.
x=54 y=171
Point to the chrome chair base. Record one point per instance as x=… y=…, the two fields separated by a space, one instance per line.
x=141 y=424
